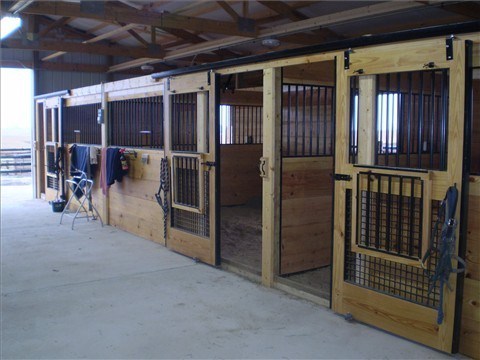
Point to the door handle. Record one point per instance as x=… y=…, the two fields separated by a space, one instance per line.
x=263 y=167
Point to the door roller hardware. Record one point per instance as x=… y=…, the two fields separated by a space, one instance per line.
x=342 y=177
x=209 y=164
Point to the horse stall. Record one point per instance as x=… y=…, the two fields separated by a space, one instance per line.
x=320 y=172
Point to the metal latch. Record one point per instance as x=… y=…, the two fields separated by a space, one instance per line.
x=263 y=167
x=342 y=177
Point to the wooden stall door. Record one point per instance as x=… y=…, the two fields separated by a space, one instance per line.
x=191 y=130
x=52 y=136
x=390 y=181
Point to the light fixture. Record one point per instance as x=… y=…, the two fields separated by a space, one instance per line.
x=271 y=43
x=147 y=68
x=8 y=25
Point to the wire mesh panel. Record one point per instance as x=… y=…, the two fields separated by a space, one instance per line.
x=195 y=223
x=411 y=119
x=390 y=213
x=389 y=277
x=307 y=120
x=137 y=122
x=241 y=124
x=80 y=124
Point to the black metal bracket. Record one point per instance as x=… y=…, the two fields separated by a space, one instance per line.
x=209 y=164
x=342 y=177
x=346 y=59
x=449 y=47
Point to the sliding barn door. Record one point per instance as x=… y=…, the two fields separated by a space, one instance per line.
x=191 y=128
x=399 y=146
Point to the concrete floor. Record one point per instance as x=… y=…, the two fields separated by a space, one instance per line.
x=101 y=293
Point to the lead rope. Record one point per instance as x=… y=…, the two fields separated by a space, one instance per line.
x=445 y=249
x=163 y=188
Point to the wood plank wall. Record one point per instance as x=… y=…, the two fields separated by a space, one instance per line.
x=239 y=174
x=132 y=203
x=470 y=331
x=307 y=190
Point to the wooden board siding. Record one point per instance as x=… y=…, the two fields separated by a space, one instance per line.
x=132 y=204
x=240 y=179
x=307 y=190
x=470 y=331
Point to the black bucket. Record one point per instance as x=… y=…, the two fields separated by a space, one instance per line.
x=57 y=205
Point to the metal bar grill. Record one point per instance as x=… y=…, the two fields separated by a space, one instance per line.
x=137 y=122
x=384 y=276
x=186 y=178
x=354 y=108
x=307 y=120
x=390 y=213
x=241 y=124
x=80 y=124
x=184 y=122
x=411 y=119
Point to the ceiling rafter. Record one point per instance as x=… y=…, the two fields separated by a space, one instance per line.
x=75 y=47
x=120 y=14
x=282 y=30
x=229 y=10
x=56 y=24
x=95 y=39
x=283 y=9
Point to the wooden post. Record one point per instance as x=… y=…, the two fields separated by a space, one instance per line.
x=366 y=120
x=271 y=182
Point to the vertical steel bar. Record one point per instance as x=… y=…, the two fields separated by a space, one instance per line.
x=388 y=215
x=388 y=119
x=367 y=211
x=432 y=116
x=311 y=121
x=325 y=122
x=420 y=121
x=400 y=216
x=304 y=121
x=443 y=125
x=412 y=216
x=378 y=208
x=421 y=224
x=318 y=121
x=409 y=117
x=399 y=135
x=332 y=120
x=296 y=121
x=289 y=109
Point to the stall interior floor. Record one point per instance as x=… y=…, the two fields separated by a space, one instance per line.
x=241 y=245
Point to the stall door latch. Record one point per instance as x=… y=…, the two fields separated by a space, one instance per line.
x=342 y=177
x=263 y=167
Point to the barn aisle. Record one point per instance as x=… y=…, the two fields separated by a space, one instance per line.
x=102 y=293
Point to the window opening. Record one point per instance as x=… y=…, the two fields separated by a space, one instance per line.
x=137 y=122
x=241 y=124
x=80 y=124
x=411 y=119
x=307 y=120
